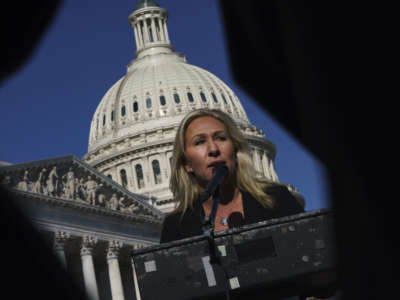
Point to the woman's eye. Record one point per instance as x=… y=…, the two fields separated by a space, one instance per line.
x=221 y=137
x=198 y=142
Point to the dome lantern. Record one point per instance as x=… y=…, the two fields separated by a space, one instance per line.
x=146 y=3
x=149 y=23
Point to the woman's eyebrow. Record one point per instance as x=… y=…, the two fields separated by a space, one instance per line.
x=199 y=135
x=220 y=131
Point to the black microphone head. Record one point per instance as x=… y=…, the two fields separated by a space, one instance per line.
x=219 y=172
x=220 y=168
x=235 y=219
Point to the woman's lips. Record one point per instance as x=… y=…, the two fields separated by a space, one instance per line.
x=213 y=164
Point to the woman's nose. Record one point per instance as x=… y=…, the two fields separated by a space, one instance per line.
x=213 y=149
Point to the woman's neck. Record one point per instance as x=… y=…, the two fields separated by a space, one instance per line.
x=227 y=194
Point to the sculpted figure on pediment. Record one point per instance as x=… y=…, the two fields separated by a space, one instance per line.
x=39 y=185
x=24 y=183
x=91 y=187
x=131 y=208
x=101 y=200
x=122 y=206
x=80 y=191
x=52 y=182
x=69 y=184
x=113 y=203
x=125 y=207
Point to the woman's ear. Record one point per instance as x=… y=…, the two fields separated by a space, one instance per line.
x=187 y=165
x=188 y=168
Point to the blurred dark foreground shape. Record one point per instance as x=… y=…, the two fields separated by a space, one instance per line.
x=29 y=269
x=328 y=72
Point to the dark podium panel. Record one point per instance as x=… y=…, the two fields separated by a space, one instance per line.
x=289 y=256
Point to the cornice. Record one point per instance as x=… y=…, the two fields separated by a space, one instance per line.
x=81 y=231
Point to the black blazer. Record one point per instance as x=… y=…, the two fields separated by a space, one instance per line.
x=175 y=229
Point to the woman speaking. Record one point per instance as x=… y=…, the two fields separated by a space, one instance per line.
x=207 y=138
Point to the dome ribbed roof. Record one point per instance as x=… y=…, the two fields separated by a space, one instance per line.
x=158 y=91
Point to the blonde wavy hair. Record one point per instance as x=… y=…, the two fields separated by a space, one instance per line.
x=183 y=184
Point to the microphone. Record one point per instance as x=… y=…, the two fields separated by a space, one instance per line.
x=235 y=219
x=219 y=172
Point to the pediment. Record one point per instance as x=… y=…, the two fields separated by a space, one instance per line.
x=68 y=181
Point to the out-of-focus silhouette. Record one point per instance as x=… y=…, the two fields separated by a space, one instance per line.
x=328 y=73
x=30 y=270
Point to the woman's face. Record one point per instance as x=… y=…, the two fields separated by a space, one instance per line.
x=207 y=143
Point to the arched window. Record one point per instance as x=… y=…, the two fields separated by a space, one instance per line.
x=162 y=100
x=223 y=98
x=135 y=106
x=190 y=97
x=214 y=98
x=124 y=180
x=148 y=102
x=109 y=176
x=139 y=176
x=260 y=157
x=176 y=98
x=203 y=97
x=156 y=171
x=104 y=120
x=123 y=111
x=112 y=116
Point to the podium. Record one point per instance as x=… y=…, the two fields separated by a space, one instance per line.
x=293 y=256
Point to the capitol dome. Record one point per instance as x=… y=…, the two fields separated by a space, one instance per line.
x=156 y=91
x=134 y=126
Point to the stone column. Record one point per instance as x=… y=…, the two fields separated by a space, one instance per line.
x=60 y=238
x=160 y=28
x=154 y=30
x=164 y=166
x=89 y=275
x=148 y=172
x=261 y=160
x=265 y=166
x=129 y=175
x=117 y=290
x=139 y=29
x=135 y=281
x=272 y=171
x=166 y=31
x=136 y=36
x=146 y=31
x=254 y=158
x=135 y=187
x=260 y=154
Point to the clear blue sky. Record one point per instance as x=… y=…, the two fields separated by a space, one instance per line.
x=47 y=107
